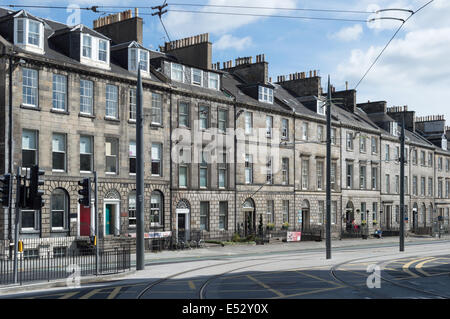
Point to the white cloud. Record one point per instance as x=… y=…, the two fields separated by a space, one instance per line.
x=414 y=71
x=227 y=41
x=183 y=24
x=348 y=34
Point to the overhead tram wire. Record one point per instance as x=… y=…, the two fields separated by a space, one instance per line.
x=270 y=8
x=392 y=38
x=95 y=8
x=269 y=15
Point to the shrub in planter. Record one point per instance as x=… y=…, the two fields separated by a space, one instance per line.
x=270 y=226
x=285 y=225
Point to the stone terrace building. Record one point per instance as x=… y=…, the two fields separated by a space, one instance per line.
x=74 y=111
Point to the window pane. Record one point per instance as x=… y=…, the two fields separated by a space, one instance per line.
x=87 y=46
x=203 y=177
x=182 y=176
x=59 y=92
x=58 y=219
x=20 y=31
x=59 y=161
x=184 y=114
x=86 y=96
x=29 y=86
x=29 y=139
x=28 y=219
x=111 y=101
x=102 y=51
x=85 y=162
x=155 y=207
x=33 y=32
x=156 y=108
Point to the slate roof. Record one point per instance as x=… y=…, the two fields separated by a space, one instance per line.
x=53 y=54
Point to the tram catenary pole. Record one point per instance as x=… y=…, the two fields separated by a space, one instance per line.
x=139 y=176
x=328 y=195
x=402 y=185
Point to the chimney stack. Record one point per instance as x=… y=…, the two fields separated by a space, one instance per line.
x=194 y=50
x=121 y=27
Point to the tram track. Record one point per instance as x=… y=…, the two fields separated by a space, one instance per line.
x=376 y=293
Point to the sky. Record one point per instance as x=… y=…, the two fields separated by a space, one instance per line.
x=414 y=70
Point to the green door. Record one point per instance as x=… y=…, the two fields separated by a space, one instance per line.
x=108 y=219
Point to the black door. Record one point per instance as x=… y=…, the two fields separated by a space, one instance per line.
x=181 y=227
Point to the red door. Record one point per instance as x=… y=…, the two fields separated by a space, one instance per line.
x=85 y=221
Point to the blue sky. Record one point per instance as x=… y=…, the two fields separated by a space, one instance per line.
x=413 y=71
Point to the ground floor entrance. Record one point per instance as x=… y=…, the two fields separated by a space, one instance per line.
x=111 y=218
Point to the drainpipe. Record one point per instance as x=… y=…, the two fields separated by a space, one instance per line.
x=10 y=141
x=294 y=157
x=171 y=178
x=235 y=169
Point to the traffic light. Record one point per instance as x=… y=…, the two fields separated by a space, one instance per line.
x=34 y=198
x=5 y=189
x=85 y=192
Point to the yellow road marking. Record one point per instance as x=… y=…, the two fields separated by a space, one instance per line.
x=265 y=286
x=114 y=293
x=90 y=294
x=191 y=284
x=281 y=271
x=406 y=266
x=318 y=278
x=420 y=265
x=309 y=292
x=67 y=296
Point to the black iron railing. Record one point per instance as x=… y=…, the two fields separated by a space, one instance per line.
x=49 y=259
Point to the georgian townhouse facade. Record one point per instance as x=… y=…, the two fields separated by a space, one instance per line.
x=225 y=148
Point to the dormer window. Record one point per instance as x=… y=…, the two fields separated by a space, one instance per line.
x=138 y=57
x=87 y=46
x=444 y=142
x=103 y=50
x=34 y=33
x=94 y=51
x=177 y=72
x=393 y=128
x=265 y=94
x=321 y=107
x=28 y=34
x=197 y=77
x=213 y=81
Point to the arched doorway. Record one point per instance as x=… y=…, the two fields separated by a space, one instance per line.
x=111 y=213
x=349 y=214
x=183 y=213
x=249 y=217
x=423 y=212
x=306 y=215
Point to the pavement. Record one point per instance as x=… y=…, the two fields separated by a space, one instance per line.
x=216 y=252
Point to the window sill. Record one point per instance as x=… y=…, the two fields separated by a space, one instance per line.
x=29 y=231
x=59 y=230
x=30 y=107
x=112 y=119
x=85 y=172
x=156 y=125
x=59 y=112
x=111 y=173
x=90 y=116
x=59 y=171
